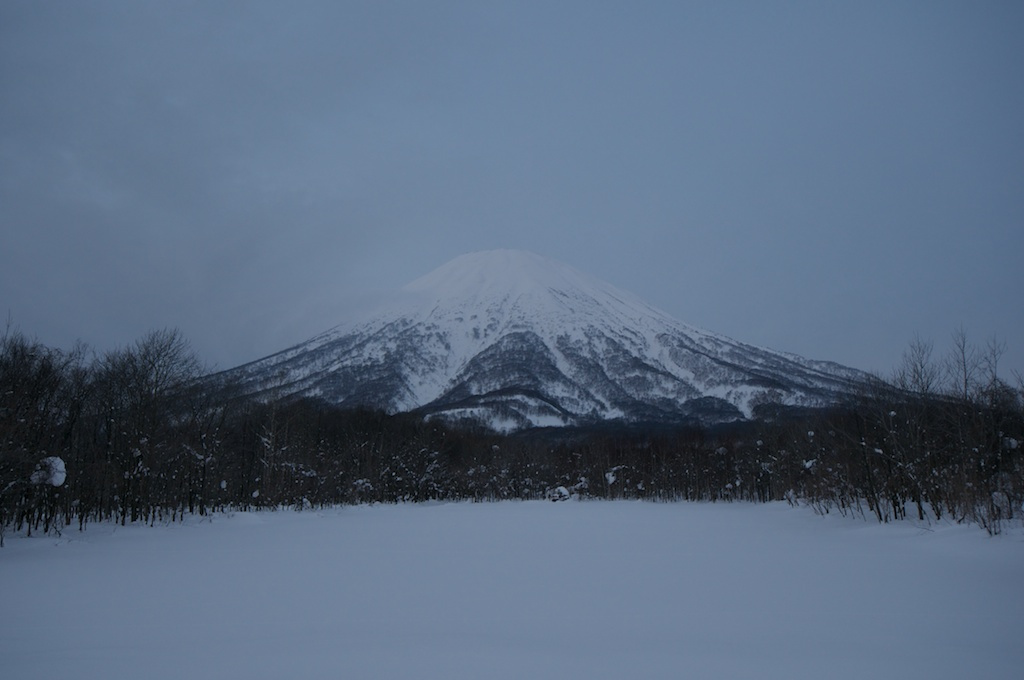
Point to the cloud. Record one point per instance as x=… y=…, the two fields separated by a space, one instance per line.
x=791 y=176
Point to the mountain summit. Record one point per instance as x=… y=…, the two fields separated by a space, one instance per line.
x=514 y=340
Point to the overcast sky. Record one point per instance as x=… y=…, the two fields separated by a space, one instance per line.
x=823 y=178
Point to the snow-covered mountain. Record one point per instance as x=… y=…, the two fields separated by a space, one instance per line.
x=515 y=340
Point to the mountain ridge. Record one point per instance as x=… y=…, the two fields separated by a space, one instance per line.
x=514 y=340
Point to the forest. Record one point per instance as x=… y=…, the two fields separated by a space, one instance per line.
x=135 y=435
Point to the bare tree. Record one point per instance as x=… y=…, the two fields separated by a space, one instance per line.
x=962 y=365
x=918 y=373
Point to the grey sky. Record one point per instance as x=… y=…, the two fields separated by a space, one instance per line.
x=824 y=178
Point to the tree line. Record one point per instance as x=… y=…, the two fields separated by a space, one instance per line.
x=134 y=435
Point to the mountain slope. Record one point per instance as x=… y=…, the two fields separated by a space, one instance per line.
x=516 y=340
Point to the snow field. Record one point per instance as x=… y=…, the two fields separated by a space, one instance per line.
x=514 y=590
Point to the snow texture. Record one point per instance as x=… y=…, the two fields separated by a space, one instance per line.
x=515 y=590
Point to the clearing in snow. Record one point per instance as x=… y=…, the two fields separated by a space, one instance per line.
x=516 y=590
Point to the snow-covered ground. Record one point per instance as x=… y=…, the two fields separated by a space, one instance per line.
x=516 y=590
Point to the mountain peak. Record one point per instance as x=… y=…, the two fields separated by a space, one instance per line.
x=507 y=284
x=503 y=271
